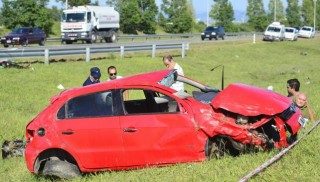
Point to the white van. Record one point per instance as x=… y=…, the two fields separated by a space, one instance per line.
x=306 y=32
x=275 y=31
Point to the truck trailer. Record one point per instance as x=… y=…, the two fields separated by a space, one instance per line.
x=89 y=24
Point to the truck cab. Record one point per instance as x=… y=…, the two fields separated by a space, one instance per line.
x=89 y=23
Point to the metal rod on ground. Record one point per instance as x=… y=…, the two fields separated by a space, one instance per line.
x=276 y=157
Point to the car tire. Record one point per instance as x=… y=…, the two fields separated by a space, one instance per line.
x=68 y=42
x=222 y=37
x=202 y=38
x=210 y=38
x=219 y=147
x=42 y=42
x=5 y=45
x=25 y=43
x=61 y=169
x=113 y=37
x=93 y=38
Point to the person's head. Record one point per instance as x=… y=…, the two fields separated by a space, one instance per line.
x=112 y=71
x=95 y=74
x=168 y=61
x=300 y=100
x=293 y=86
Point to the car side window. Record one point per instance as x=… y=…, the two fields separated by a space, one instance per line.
x=92 y=105
x=142 y=101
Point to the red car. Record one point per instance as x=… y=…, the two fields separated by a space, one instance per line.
x=93 y=128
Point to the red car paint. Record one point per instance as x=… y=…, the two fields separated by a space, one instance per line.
x=175 y=127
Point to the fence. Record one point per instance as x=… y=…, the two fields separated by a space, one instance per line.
x=46 y=53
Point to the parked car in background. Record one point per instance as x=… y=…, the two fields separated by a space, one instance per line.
x=213 y=32
x=274 y=32
x=306 y=32
x=92 y=128
x=24 y=36
x=290 y=33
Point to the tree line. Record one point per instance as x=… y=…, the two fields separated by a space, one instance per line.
x=173 y=16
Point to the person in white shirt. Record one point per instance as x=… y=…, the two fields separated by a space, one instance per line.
x=112 y=71
x=171 y=64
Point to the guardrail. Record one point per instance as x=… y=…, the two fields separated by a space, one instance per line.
x=159 y=36
x=46 y=53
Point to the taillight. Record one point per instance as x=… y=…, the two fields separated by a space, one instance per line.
x=30 y=134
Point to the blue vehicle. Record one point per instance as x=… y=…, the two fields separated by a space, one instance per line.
x=213 y=32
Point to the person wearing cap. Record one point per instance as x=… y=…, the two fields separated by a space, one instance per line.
x=94 y=76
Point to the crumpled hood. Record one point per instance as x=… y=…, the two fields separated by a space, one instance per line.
x=250 y=101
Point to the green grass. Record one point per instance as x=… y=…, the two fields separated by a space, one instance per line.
x=25 y=92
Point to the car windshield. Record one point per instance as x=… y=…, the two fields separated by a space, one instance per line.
x=73 y=17
x=290 y=30
x=274 y=29
x=210 y=29
x=20 y=31
x=306 y=29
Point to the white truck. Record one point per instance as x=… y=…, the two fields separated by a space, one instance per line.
x=89 y=23
x=275 y=31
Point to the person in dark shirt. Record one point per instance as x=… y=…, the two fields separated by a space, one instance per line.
x=94 y=76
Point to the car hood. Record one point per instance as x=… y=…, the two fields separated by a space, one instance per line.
x=250 y=101
x=14 y=35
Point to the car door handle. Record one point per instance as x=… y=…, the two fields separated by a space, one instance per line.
x=68 y=132
x=130 y=130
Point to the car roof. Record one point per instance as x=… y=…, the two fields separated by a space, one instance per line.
x=150 y=78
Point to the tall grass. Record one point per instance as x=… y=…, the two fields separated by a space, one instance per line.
x=25 y=92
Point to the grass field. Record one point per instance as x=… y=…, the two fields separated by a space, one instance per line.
x=25 y=92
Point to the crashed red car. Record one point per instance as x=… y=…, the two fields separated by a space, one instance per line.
x=94 y=128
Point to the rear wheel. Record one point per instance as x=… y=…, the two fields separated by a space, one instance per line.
x=61 y=169
x=113 y=38
x=222 y=37
x=25 y=43
x=5 y=45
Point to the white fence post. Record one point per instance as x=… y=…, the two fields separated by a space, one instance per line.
x=122 y=51
x=87 y=54
x=183 y=51
x=153 y=50
x=254 y=38
x=46 y=56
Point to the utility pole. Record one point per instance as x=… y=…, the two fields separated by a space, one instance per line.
x=314 y=15
x=207 y=13
x=66 y=4
x=275 y=11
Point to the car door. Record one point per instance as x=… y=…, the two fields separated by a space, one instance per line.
x=30 y=36
x=156 y=132
x=88 y=128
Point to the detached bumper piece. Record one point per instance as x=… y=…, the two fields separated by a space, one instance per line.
x=13 y=148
